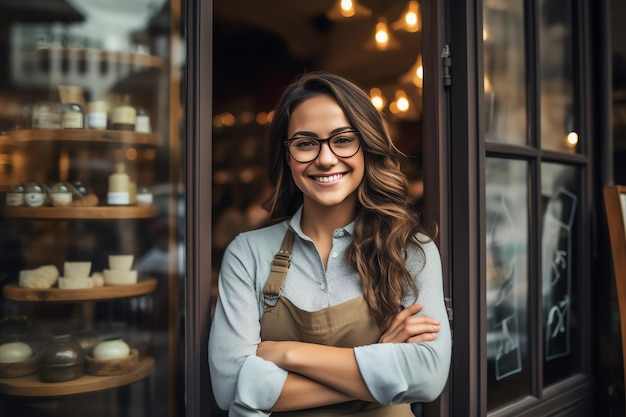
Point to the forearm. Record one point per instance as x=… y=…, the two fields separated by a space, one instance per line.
x=300 y=392
x=334 y=367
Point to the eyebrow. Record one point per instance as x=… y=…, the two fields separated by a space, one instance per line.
x=314 y=135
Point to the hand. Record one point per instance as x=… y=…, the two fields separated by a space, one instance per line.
x=405 y=328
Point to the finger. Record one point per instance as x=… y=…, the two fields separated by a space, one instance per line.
x=397 y=323
x=416 y=327
x=425 y=337
x=404 y=314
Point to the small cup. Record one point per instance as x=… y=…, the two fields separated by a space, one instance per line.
x=116 y=277
x=120 y=262
x=76 y=269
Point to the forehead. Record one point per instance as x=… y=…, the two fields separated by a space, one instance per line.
x=320 y=115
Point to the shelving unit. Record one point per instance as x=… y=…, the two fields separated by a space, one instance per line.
x=16 y=137
x=30 y=386
x=84 y=213
x=14 y=292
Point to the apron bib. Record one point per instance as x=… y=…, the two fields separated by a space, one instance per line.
x=348 y=324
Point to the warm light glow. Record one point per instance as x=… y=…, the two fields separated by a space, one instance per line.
x=261 y=118
x=402 y=101
x=377 y=98
x=347 y=9
x=400 y=104
x=217 y=121
x=415 y=75
x=485 y=34
x=487 y=85
x=572 y=139
x=382 y=34
x=410 y=20
x=131 y=154
x=228 y=119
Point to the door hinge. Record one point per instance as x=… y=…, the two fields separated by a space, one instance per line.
x=447 y=66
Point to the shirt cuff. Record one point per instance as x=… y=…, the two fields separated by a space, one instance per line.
x=382 y=372
x=259 y=385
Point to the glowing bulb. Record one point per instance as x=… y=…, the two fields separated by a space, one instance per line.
x=347 y=8
x=415 y=74
x=410 y=20
x=402 y=102
x=377 y=98
x=382 y=34
x=572 y=139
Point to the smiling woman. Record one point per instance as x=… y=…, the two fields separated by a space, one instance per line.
x=337 y=307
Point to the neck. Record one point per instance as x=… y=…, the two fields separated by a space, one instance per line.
x=318 y=220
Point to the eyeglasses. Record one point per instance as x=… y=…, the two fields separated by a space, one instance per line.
x=306 y=149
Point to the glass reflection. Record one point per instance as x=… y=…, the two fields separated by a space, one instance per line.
x=559 y=207
x=505 y=74
x=556 y=76
x=507 y=280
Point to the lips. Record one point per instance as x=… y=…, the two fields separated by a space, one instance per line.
x=328 y=178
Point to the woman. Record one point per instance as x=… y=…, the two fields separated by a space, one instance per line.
x=337 y=308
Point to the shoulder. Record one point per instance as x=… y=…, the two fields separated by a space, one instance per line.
x=258 y=242
x=424 y=254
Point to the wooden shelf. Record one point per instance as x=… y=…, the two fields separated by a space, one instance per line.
x=30 y=386
x=98 y=55
x=22 y=136
x=14 y=292
x=81 y=213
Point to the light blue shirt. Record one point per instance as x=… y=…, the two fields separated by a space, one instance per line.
x=394 y=372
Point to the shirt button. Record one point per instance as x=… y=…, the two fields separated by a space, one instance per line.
x=333 y=255
x=340 y=233
x=323 y=285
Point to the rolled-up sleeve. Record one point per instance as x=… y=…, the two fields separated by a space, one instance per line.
x=412 y=372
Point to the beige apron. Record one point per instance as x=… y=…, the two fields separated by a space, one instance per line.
x=348 y=324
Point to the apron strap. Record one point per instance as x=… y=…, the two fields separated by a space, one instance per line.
x=280 y=265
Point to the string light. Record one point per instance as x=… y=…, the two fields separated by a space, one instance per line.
x=377 y=98
x=411 y=20
x=347 y=9
x=382 y=39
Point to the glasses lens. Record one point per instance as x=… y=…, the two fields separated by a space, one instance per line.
x=344 y=145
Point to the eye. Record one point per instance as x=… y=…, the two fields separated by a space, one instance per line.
x=304 y=144
x=345 y=138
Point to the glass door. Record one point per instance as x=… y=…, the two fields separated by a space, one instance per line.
x=92 y=208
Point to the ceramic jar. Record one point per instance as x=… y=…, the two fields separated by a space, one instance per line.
x=113 y=348
x=63 y=360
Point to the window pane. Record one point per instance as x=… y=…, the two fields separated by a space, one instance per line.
x=559 y=209
x=505 y=74
x=507 y=281
x=556 y=76
x=90 y=128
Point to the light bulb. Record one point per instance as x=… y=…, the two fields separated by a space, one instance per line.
x=347 y=9
x=377 y=98
x=411 y=20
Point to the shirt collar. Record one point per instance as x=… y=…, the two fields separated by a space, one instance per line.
x=296 y=219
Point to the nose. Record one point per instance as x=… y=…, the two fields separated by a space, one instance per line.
x=326 y=156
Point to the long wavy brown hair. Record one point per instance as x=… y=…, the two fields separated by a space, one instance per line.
x=385 y=223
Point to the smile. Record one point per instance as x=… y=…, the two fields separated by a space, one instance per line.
x=330 y=178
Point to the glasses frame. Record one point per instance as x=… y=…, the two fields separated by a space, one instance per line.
x=322 y=142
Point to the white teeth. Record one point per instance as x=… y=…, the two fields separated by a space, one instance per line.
x=328 y=179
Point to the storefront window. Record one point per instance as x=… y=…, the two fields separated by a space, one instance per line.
x=91 y=208
x=559 y=127
x=507 y=215
x=560 y=203
x=505 y=75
